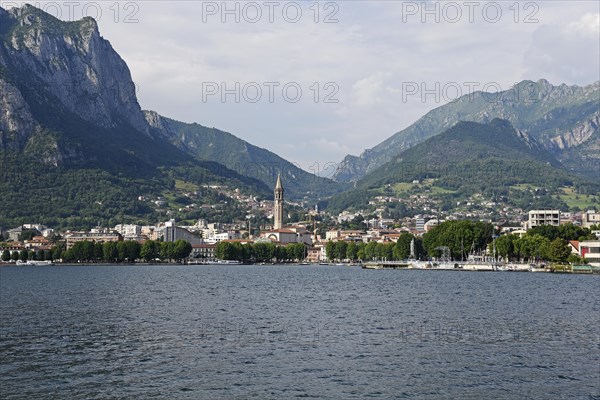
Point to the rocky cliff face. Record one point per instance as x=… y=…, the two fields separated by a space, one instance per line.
x=17 y=124
x=69 y=62
x=579 y=134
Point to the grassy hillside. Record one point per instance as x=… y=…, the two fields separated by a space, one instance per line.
x=471 y=158
x=244 y=158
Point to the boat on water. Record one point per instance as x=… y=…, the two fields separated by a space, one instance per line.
x=229 y=262
x=213 y=262
x=34 y=263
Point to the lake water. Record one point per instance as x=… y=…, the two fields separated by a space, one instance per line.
x=279 y=332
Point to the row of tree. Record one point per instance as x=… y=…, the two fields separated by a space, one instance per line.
x=534 y=248
x=260 y=252
x=460 y=236
x=351 y=251
x=542 y=243
x=111 y=252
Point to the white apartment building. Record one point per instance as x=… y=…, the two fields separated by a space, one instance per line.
x=590 y=250
x=543 y=217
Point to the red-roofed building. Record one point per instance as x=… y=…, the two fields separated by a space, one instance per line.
x=574 y=246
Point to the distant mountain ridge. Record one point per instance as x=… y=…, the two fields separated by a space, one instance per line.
x=238 y=155
x=466 y=159
x=563 y=119
x=496 y=143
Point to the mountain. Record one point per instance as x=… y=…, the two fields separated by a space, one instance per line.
x=467 y=159
x=564 y=119
x=476 y=149
x=240 y=156
x=75 y=146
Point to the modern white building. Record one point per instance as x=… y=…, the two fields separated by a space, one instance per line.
x=590 y=250
x=129 y=232
x=543 y=217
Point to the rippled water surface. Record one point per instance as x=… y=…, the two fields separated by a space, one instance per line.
x=265 y=332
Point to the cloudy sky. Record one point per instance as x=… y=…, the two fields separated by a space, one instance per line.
x=365 y=69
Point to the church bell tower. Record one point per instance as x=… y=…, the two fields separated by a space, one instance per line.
x=278 y=209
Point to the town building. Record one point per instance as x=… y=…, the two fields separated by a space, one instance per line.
x=222 y=236
x=315 y=254
x=288 y=235
x=129 y=232
x=204 y=252
x=173 y=233
x=429 y=225
x=420 y=224
x=590 y=250
x=38 y=243
x=543 y=217
x=590 y=218
x=98 y=237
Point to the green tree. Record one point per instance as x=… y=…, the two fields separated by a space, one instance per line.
x=370 y=251
x=109 y=252
x=341 y=248
x=352 y=251
x=27 y=235
x=263 y=252
x=386 y=251
x=559 y=251
x=150 y=250
x=132 y=250
x=6 y=256
x=575 y=259
x=227 y=251
x=505 y=246
x=121 y=251
x=98 y=251
x=14 y=256
x=297 y=251
x=181 y=249
x=532 y=247
x=280 y=253
x=57 y=252
x=457 y=235
x=330 y=249
x=23 y=255
x=402 y=246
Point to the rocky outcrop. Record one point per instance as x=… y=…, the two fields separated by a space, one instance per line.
x=73 y=64
x=17 y=124
x=579 y=134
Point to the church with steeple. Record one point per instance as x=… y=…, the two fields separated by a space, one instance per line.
x=279 y=233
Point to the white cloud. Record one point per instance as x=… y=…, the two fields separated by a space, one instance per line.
x=568 y=53
x=368 y=91
x=588 y=25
